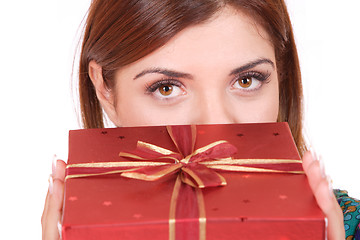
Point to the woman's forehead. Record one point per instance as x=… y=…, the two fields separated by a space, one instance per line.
x=229 y=38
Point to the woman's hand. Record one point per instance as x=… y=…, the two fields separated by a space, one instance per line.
x=54 y=201
x=321 y=187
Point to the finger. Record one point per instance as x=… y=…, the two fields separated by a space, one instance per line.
x=54 y=200
x=43 y=216
x=330 y=207
x=54 y=211
x=47 y=200
x=307 y=160
x=322 y=189
x=59 y=172
x=313 y=170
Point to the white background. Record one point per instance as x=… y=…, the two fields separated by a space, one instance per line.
x=37 y=43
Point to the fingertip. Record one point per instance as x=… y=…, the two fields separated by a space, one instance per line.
x=307 y=160
x=60 y=170
x=314 y=173
x=61 y=162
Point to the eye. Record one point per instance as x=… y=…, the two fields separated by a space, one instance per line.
x=247 y=83
x=165 y=89
x=250 y=81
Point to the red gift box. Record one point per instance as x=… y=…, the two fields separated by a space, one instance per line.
x=275 y=203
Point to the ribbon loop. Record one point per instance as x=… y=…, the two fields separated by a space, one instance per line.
x=200 y=176
x=152 y=173
x=219 y=150
x=149 y=152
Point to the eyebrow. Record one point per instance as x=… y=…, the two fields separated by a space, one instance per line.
x=252 y=64
x=166 y=72
x=176 y=74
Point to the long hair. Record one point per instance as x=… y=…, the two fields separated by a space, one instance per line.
x=119 y=32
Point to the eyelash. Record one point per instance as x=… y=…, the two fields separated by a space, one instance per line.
x=252 y=74
x=153 y=87
x=258 y=76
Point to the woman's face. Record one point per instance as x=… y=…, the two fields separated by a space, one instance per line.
x=222 y=71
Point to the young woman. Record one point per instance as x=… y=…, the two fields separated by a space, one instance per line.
x=156 y=62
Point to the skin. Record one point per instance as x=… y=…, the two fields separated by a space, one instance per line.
x=212 y=86
x=209 y=92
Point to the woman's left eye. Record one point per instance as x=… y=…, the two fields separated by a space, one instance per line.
x=249 y=81
x=245 y=82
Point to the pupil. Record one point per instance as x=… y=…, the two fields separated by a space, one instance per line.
x=166 y=88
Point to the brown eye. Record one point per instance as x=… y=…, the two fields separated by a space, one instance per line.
x=166 y=90
x=245 y=82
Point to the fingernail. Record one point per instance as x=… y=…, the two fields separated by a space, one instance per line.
x=51 y=185
x=53 y=165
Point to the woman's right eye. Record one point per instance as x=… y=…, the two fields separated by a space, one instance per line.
x=165 y=89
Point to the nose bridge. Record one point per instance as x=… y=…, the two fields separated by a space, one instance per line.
x=213 y=109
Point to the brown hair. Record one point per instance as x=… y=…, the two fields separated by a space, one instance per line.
x=119 y=32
